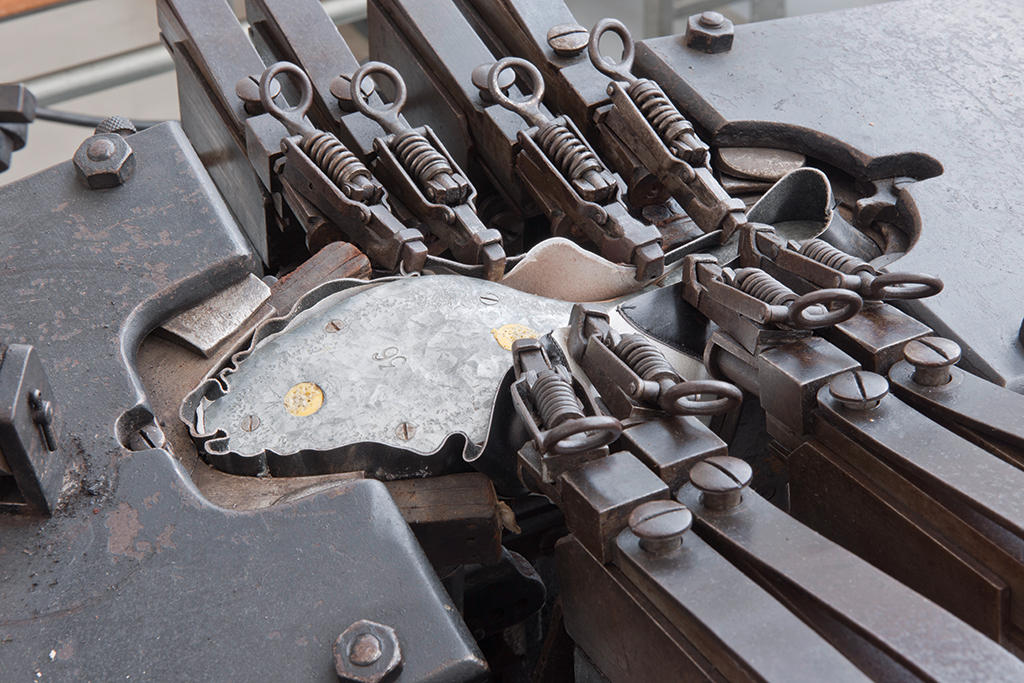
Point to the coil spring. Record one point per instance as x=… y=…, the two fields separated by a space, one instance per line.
x=659 y=111
x=419 y=156
x=763 y=286
x=643 y=357
x=555 y=398
x=335 y=159
x=823 y=252
x=567 y=151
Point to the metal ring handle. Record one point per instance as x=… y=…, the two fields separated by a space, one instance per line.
x=292 y=117
x=677 y=401
x=528 y=108
x=385 y=115
x=849 y=304
x=621 y=70
x=596 y=431
x=902 y=286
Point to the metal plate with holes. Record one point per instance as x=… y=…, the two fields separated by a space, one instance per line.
x=401 y=365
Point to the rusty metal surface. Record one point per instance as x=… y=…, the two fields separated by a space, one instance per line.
x=155 y=551
x=947 y=63
x=134 y=546
x=850 y=602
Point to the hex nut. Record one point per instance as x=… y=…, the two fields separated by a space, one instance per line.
x=104 y=161
x=703 y=35
x=367 y=652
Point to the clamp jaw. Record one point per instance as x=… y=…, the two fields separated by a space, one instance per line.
x=634 y=378
x=565 y=425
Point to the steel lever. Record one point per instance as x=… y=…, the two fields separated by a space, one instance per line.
x=569 y=180
x=319 y=168
x=633 y=375
x=425 y=178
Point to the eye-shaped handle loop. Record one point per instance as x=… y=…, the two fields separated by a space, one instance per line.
x=293 y=118
x=387 y=116
x=839 y=305
x=681 y=398
x=582 y=434
x=889 y=286
x=528 y=108
x=621 y=70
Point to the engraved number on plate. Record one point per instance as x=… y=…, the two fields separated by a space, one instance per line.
x=389 y=357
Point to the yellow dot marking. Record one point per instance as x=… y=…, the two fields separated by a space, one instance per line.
x=304 y=399
x=506 y=334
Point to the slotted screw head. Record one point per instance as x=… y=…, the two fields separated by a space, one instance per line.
x=932 y=357
x=248 y=90
x=721 y=480
x=568 y=40
x=660 y=525
x=479 y=77
x=859 y=389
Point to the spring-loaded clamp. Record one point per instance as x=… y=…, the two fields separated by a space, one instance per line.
x=823 y=265
x=331 y=192
x=424 y=177
x=548 y=402
x=432 y=170
x=561 y=143
x=633 y=376
x=755 y=308
x=322 y=147
x=672 y=127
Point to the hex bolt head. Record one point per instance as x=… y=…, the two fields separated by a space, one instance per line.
x=721 y=480
x=932 y=357
x=708 y=32
x=660 y=525
x=104 y=161
x=859 y=389
x=568 y=40
x=367 y=652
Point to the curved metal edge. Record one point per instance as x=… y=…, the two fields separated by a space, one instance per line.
x=366 y=456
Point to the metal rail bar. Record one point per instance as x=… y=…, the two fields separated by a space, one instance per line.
x=151 y=60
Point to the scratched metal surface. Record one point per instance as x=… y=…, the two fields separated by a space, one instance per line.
x=420 y=351
x=940 y=78
x=136 y=576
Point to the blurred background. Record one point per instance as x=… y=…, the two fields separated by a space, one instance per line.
x=103 y=57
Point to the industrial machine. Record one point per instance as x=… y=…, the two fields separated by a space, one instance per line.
x=524 y=351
